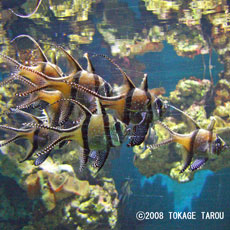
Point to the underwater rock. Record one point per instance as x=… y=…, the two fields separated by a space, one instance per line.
x=96 y=211
x=222 y=92
x=54 y=187
x=190 y=91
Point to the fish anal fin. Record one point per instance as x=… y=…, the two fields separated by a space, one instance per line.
x=187 y=159
x=198 y=163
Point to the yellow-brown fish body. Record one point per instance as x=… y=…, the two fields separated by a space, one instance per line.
x=96 y=132
x=203 y=143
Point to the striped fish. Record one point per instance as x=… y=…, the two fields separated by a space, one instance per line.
x=96 y=132
x=200 y=141
x=37 y=137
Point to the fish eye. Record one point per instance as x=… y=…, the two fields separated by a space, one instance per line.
x=217 y=145
x=118 y=125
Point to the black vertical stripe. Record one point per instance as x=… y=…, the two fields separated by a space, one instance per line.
x=97 y=82
x=84 y=131
x=118 y=130
x=34 y=145
x=190 y=152
x=106 y=128
x=128 y=102
x=73 y=94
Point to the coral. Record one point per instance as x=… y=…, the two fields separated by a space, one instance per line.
x=189 y=91
x=96 y=210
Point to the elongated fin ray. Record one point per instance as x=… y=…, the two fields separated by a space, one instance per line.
x=28 y=15
x=13 y=129
x=165 y=142
x=42 y=54
x=186 y=115
x=198 y=163
x=84 y=89
x=42 y=155
x=127 y=79
x=28 y=92
x=28 y=103
x=166 y=127
x=9 y=141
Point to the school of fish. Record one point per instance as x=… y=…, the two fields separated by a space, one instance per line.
x=83 y=107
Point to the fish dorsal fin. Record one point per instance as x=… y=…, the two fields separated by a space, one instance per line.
x=71 y=60
x=82 y=107
x=90 y=67
x=212 y=124
x=186 y=115
x=42 y=54
x=144 y=84
x=126 y=78
x=38 y=3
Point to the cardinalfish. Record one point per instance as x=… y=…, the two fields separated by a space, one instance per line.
x=132 y=105
x=39 y=78
x=205 y=143
x=96 y=132
x=36 y=137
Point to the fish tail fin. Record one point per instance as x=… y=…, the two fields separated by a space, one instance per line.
x=9 y=80
x=33 y=98
x=30 y=91
x=42 y=155
x=3 y=143
x=33 y=77
x=165 y=142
